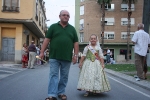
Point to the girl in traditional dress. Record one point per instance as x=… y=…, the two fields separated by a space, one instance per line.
x=24 y=55
x=92 y=78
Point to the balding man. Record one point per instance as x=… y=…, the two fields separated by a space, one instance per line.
x=141 y=39
x=63 y=38
x=32 y=54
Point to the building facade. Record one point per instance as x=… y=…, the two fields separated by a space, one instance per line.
x=88 y=19
x=21 y=21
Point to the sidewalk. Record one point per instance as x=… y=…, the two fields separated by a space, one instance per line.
x=143 y=83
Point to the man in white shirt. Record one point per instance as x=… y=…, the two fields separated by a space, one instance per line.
x=141 y=39
x=108 y=55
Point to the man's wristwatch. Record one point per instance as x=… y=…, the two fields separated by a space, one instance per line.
x=75 y=55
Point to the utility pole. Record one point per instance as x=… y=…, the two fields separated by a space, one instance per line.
x=103 y=24
x=128 y=29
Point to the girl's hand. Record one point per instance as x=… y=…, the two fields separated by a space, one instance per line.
x=103 y=66
x=80 y=65
x=97 y=56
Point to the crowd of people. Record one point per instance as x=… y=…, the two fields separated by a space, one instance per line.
x=108 y=56
x=29 y=54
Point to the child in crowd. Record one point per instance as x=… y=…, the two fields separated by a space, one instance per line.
x=24 y=56
x=92 y=78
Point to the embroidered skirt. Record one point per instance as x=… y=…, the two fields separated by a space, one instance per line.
x=92 y=78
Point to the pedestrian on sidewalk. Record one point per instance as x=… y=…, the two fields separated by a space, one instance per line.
x=24 y=55
x=37 y=53
x=63 y=38
x=140 y=39
x=108 y=55
x=32 y=54
x=92 y=78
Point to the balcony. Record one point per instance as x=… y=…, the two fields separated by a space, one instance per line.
x=40 y=23
x=10 y=9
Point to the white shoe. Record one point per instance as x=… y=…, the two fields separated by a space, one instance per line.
x=137 y=79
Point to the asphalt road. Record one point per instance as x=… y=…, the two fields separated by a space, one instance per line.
x=31 y=84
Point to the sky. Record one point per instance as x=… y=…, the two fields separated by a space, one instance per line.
x=53 y=8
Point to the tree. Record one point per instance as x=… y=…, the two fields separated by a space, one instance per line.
x=129 y=2
x=102 y=3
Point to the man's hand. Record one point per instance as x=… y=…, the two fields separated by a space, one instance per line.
x=44 y=45
x=41 y=55
x=74 y=59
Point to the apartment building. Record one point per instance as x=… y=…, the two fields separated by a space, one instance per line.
x=88 y=21
x=21 y=21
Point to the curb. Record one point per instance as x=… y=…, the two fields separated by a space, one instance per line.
x=144 y=84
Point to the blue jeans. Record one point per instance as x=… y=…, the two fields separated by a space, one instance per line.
x=108 y=58
x=58 y=84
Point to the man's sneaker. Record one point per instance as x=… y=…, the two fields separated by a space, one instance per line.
x=51 y=98
x=137 y=79
x=135 y=76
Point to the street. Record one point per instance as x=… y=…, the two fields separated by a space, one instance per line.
x=31 y=84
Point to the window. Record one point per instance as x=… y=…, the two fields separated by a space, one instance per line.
x=124 y=35
x=124 y=52
x=37 y=42
x=81 y=24
x=40 y=18
x=124 y=7
x=33 y=39
x=82 y=10
x=109 y=7
x=81 y=37
x=109 y=35
x=109 y=21
x=11 y=5
x=124 y=21
x=81 y=0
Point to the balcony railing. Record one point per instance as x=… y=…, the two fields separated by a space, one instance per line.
x=40 y=23
x=10 y=9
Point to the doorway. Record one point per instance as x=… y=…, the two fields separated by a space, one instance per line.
x=8 y=49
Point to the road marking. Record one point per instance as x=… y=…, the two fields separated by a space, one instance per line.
x=19 y=68
x=11 y=72
x=130 y=87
